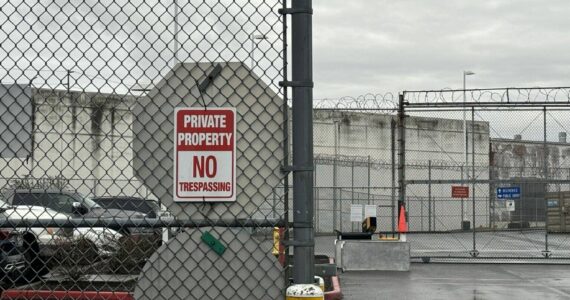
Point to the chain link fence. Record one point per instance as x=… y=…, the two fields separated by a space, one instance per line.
x=506 y=147
x=510 y=151
x=87 y=143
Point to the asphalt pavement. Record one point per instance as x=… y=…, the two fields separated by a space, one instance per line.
x=460 y=281
x=508 y=245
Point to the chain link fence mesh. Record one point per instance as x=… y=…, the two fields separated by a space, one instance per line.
x=501 y=140
x=506 y=144
x=88 y=91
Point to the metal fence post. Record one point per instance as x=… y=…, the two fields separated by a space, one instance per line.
x=335 y=162
x=429 y=194
x=393 y=167
x=369 y=179
x=352 y=182
x=545 y=167
x=286 y=146
x=302 y=107
x=401 y=152
x=474 y=251
x=462 y=218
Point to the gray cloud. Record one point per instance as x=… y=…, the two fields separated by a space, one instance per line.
x=382 y=46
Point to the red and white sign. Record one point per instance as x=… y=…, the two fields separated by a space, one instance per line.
x=459 y=191
x=204 y=154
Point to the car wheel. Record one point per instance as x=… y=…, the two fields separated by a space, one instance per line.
x=35 y=265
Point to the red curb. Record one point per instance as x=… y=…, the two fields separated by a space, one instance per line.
x=336 y=293
x=77 y=295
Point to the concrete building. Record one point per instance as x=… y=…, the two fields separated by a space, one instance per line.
x=354 y=154
x=78 y=139
x=85 y=141
x=516 y=159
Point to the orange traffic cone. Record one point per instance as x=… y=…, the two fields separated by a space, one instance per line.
x=402 y=225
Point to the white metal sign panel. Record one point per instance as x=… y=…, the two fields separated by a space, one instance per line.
x=510 y=205
x=369 y=211
x=204 y=154
x=356 y=212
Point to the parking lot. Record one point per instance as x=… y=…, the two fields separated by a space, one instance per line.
x=455 y=281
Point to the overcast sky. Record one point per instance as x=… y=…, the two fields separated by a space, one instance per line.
x=380 y=46
x=360 y=46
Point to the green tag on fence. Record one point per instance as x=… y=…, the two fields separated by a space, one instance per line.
x=213 y=243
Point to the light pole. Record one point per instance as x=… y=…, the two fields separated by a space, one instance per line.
x=254 y=37
x=465 y=141
x=176 y=46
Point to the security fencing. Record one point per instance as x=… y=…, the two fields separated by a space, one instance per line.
x=505 y=186
x=506 y=148
x=109 y=188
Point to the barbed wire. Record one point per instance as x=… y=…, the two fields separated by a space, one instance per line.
x=383 y=103
x=492 y=95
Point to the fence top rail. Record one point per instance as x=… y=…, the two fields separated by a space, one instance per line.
x=490 y=97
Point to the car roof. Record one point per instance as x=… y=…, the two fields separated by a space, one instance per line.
x=118 y=197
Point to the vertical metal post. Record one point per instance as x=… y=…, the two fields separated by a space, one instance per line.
x=369 y=179
x=491 y=204
x=68 y=85
x=352 y=182
x=393 y=166
x=473 y=176
x=302 y=107
x=286 y=146
x=545 y=167
x=274 y=205
x=176 y=33
x=429 y=194
x=334 y=190
x=462 y=218
x=401 y=152
x=422 y=213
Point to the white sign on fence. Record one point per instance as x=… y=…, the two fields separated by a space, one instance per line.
x=356 y=212
x=204 y=154
x=369 y=211
x=510 y=205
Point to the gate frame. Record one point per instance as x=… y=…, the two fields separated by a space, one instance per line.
x=505 y=102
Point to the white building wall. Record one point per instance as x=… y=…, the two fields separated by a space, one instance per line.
x=84 y=139
x=356 y=142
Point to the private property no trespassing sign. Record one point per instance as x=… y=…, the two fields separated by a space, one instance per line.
x=204 y=154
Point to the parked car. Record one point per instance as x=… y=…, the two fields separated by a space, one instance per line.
x=51 y=238
x=151 y=208
x=25 y=251
x=20 y=259
x=73 y=204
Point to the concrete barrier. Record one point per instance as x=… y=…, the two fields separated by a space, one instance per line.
x=355 y=255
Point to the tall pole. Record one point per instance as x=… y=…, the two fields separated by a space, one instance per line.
x=393 y=165
x=465 y=140
x=175 y=32
x=464 y=144
x=68 y=86
x=302 y=108
x=335 y=190
x=473 y=174
x=252 y=37
x=401 y=153
x=545 y=170
x=429 y=195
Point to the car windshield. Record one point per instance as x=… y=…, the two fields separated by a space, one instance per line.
x=153 y=204
x=89 y=203
x=132 y=204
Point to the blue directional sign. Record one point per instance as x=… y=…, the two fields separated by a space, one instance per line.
x=511 y=192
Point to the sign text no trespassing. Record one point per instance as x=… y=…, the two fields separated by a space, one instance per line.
x=204 y=168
